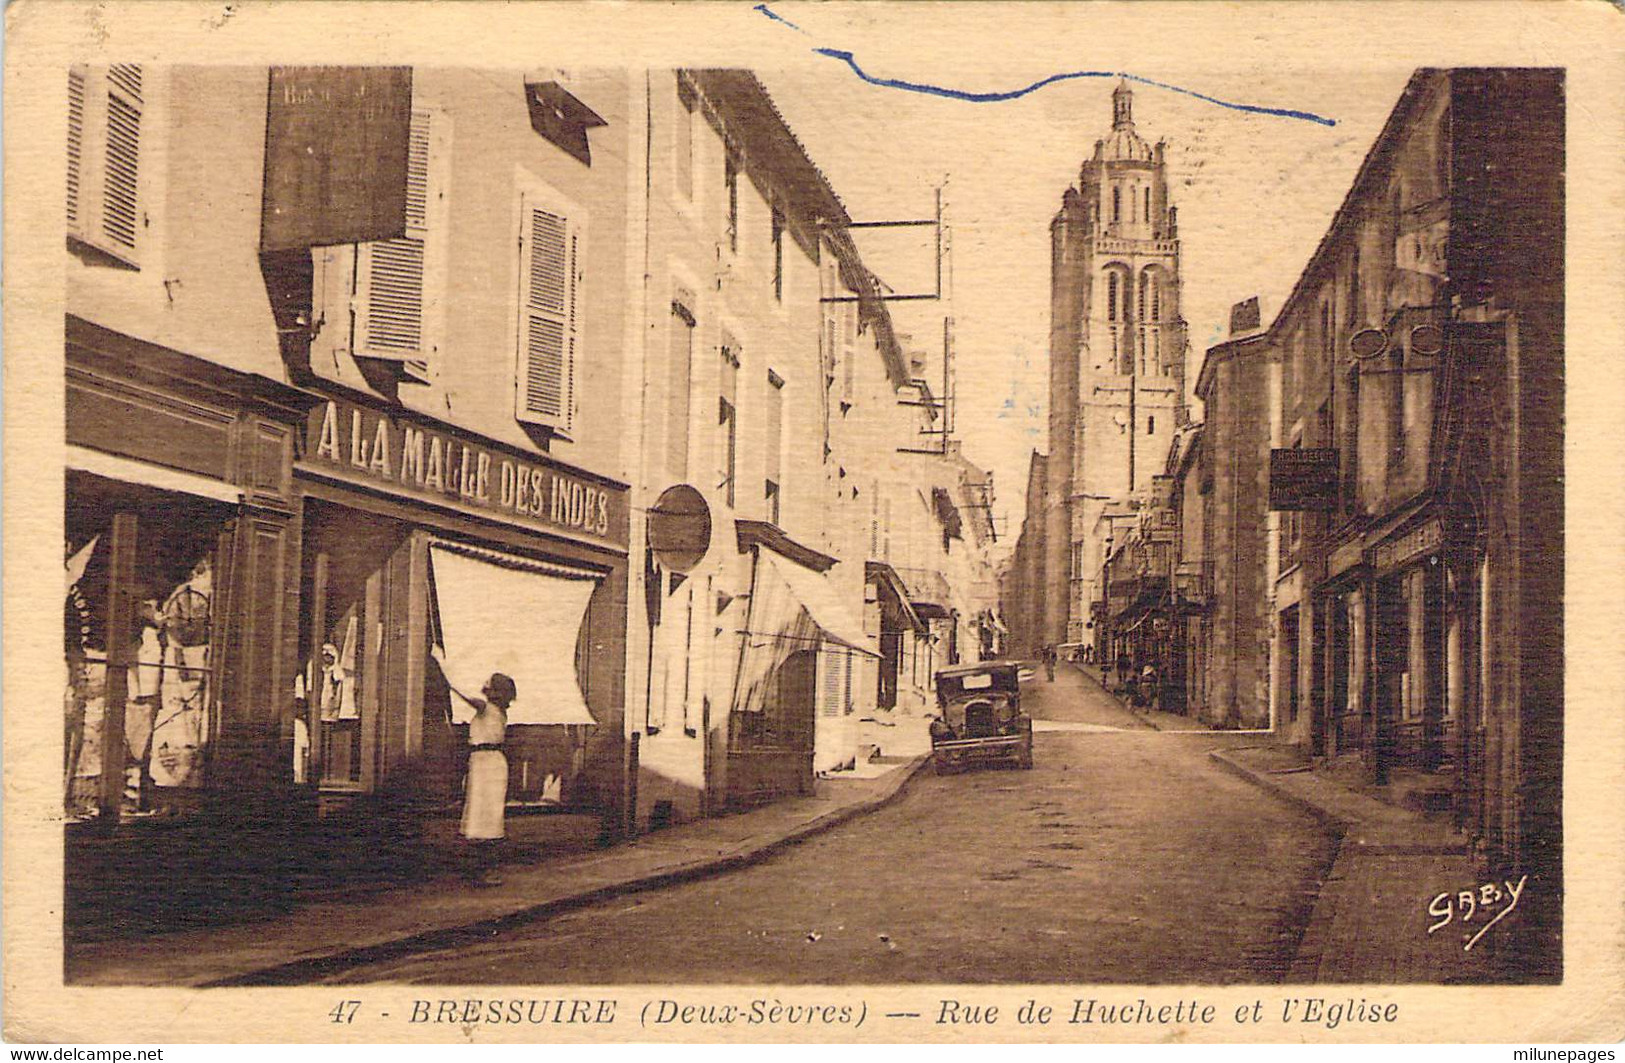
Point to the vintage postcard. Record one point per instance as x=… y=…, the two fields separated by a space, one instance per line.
x=813 y=522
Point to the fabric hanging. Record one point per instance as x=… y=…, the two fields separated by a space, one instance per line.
x=500 y=614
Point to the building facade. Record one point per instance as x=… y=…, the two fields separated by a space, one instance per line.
x=1235 y=388
x=1418 y=603
x=780 y=398
x=340 y=392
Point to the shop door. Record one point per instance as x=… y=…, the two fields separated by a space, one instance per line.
x=363 y=610
x=1319 y=664
x=1342 y=719
x=1289 y=664
x=1391 y=645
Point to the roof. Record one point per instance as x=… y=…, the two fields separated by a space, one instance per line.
x=758 y=131
x=1123 y=144
x=1373 y=167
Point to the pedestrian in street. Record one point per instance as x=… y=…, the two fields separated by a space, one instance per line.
x=1049 y=663
x=1125 y=667
x=1148 y=685
x=485 y=787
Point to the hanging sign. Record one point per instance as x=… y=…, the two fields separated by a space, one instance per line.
x=335 y=155
x=1303 y=478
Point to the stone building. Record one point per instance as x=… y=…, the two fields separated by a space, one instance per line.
x=1234 y=386
x=1117 y=375
x=1418 y=636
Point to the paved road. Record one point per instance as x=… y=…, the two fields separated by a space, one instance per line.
x=1124 y=856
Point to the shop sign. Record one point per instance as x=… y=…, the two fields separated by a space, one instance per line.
x=425 y=462
x=335 y=155
x=1344 y=557
x=1422 y=539
x=1303 y=478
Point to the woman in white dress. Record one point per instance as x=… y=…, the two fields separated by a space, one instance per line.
x=485 y=793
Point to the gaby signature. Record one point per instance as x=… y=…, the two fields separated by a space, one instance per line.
x=1501 y=898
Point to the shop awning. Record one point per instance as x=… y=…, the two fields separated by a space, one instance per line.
x=145 y=474
x=829 y=614
x=500 y=613
x=884 y=577
x=928 y=592
x=791 y=608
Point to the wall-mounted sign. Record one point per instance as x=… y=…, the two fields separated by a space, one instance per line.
x=335 y=155
x=415 y=458
x=1401 y=549
x=1427 y=339
x=1303 y=479
x=680 y=528
x=1368 y=343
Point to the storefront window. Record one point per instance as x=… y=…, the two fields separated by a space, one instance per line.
x=138 y=649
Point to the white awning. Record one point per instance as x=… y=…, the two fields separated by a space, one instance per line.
x=823 y=605
x=791 y=608
x=146 y=474
x=505 y=614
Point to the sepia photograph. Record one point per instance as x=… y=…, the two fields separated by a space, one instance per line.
x=545 y=522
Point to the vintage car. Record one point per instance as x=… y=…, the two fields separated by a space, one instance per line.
x=980 y=717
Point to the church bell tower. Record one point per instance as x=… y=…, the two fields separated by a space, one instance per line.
x=1117 y=357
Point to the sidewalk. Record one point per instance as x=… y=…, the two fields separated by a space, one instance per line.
x=322 y=938
x=1370 y=921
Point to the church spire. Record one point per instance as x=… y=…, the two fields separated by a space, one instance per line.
x=1122 y=105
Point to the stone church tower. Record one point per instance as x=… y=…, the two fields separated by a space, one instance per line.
x=1117 y=359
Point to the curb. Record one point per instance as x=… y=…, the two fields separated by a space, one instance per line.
x=1311 y=943
x=1309 y=963
x=1326 y=816
x=308 y=969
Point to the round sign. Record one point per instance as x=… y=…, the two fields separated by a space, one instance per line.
x=1427 y=339
x=1368 y=343
x=679 y=528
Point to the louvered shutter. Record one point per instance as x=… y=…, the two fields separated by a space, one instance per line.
x=835 y=680
x=548 y=314
x=390 y=318
x=121 y=218
x=76 y=144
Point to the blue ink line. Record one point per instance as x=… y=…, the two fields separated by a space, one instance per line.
x=770 y=13
x=1000 y=97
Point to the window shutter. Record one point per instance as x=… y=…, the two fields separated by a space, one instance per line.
x=549 y=315
x=120 y=205
x=76 y=143
x=392 y=271
x=834 y=685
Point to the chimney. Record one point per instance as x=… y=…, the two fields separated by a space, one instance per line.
x=1245 y=318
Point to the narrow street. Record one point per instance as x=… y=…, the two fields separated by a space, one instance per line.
x=1126 y=855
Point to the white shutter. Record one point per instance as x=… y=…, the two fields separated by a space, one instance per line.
x=391 y=273
x=76 y=143
x=121 y=218
x=549 y=313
